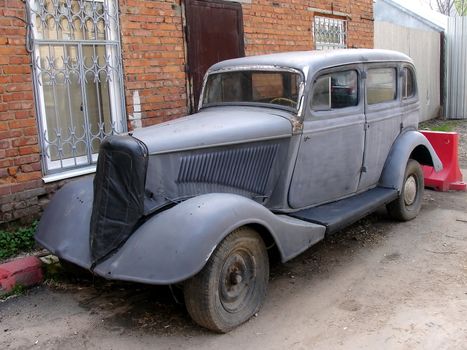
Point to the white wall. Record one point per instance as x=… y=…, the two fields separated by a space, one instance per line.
x=424 y=48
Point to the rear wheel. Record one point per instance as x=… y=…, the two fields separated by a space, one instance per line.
x=408 y=205
x=232 y=286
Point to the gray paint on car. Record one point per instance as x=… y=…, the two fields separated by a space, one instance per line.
x=190 y=207
x=405 y=144
x=216 y=126
x=176 y=243
x=64 y=226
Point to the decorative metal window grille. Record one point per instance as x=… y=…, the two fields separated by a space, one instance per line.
x=329 y=33
x=77 y=78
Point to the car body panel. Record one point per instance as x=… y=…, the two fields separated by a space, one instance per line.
x=176 y=243
x=219 y=126
x=168 y=247
x=329 y=160
x=252 y=169
x=227 y=166
x=404 y=146
x=64 y=227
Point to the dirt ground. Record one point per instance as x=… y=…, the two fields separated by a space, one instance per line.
x=377 y=285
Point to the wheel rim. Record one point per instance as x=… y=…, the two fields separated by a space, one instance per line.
x=237 y=281
x=410 y=190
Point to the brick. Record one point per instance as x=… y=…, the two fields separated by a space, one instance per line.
x=6 y=217
x=19 y=205
x=5 y=190
x=12 y=170
x=9 y=134
x=6 y=207
x=13 y=152
x=22 y=123
x=16 y=69
x=26 y=212
x=28 y=150
x=23 y=141
x=23 y=177
x=27 y=159
x=27 y=168
x=24 y=271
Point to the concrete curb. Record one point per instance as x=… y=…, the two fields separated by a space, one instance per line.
x=24 y=271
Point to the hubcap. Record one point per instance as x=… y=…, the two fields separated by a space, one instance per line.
x=237 y=281
x=410 y=190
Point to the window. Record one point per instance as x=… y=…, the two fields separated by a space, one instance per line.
x=77 y=78
x=408 y=83
x=335 y=90
x=329 y=33
x=278 y=88
x=381 y=85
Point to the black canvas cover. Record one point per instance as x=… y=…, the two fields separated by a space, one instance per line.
x=118 y=202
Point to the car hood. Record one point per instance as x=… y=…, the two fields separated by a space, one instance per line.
x=216 y=126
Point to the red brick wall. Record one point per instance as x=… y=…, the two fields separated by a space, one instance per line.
x=154 y=61
x=20 y=174
x=275 y=26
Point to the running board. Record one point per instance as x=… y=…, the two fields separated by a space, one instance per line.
x=337 y=215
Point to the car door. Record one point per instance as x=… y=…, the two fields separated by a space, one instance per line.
x=330 y=155
x=384 y=113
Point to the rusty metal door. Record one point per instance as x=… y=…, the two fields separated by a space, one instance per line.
x=214 y=32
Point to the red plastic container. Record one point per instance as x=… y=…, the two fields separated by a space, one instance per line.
x=24 y=271
x=450 y=178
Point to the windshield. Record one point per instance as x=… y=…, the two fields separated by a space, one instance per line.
x=276 y=88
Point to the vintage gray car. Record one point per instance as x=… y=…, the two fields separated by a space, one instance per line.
x=284 y=150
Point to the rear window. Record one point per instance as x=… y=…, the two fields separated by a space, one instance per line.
x=408 y=83
x=381 y=85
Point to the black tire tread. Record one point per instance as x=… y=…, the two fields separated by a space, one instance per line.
x=397 y=208
x=197 y=290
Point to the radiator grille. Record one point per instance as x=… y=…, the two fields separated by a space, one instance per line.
x=245 y=168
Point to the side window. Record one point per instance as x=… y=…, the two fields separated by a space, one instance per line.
x=335 y=90
x=381 y=85
x=408 y=83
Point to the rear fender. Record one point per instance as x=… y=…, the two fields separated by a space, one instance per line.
x=410 y=144
x=176 y=243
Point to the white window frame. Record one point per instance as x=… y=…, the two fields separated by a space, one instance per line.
x=54 y=170
x=329 y=33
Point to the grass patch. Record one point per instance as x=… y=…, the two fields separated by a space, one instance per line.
x=14 y=242
x=439 y=125
x=17 y=290
x=444 y=127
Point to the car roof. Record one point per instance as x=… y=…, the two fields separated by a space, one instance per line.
x=312 y=61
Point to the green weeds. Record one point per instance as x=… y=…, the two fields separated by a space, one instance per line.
x=17 y=290
x=19 y=240
x=439 y=125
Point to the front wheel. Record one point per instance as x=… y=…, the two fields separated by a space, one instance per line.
x=408 y=205
x=232 y=286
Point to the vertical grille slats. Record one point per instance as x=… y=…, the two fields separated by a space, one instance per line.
x=243 y=168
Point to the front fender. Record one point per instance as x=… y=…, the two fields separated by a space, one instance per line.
x=409 y=144
x=176 y=243
x=64 y=226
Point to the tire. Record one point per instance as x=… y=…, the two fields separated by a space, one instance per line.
x=232 y=286
x=408 y=205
